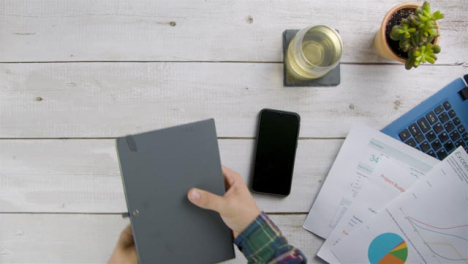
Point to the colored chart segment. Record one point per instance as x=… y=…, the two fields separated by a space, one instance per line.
x=388 y=248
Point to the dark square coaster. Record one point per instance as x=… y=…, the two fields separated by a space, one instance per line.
x=331 y=79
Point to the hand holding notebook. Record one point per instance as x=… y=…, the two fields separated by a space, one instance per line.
x=237 y=207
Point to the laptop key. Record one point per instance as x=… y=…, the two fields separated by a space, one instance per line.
x=441 y=154
x=461 y=128
x=420 y=138
x=456 y=121
x=447 y=105
x=452 y=113
x=425 y=146
x=465 y=136
x=438 y=128
x=431 y=153
x=411 y=142
x=436 y=145
x=449 y=146
x=455 y=135
x=414 y=129
x=431 y=136
x=460 y=143
x=443 y=137
x=431 y=117
x=449 y=126
x=404 y=135
x=444 y=118
x=438 y=110
x=422 y=122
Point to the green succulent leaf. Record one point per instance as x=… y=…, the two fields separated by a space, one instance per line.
x=409 y=63
x=416 y=63
x=418 y=53
x=436 y=48
x=419 y=11
x=438 y=15
x=394 y=34
x=426 y=7
x=423 y=18
x=414 y=20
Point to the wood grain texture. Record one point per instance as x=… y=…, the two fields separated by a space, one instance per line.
x=199 y=30
x=64 y=238
x=89 y=100
x=82 y=176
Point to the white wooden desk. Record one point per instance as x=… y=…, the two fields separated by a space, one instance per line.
x=75 y=74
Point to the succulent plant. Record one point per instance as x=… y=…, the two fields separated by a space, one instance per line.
x=415 y=35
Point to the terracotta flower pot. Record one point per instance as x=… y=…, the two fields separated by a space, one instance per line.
x=380 y=41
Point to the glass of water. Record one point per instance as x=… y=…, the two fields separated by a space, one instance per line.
x=313 y=52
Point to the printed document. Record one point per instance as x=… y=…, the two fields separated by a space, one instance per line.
x=355 y=162
x=389 y=179
x=427 y=224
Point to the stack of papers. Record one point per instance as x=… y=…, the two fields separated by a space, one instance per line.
x=385 y=202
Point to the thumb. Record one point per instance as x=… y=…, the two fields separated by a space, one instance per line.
x=206 y=200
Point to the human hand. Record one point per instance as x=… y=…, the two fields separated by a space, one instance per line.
x=125 y=251
x=237 y=207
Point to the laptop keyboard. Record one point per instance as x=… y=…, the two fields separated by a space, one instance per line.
x=438 y=133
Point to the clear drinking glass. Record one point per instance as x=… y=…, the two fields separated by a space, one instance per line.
x=313 y=52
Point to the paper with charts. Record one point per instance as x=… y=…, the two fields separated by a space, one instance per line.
x=355 y=162
x=388 y=180
x=427 y=224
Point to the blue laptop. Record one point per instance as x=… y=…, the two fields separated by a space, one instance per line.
x=438 y=125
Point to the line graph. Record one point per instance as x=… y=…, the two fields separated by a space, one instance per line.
x=435 y=227
x=447 y=242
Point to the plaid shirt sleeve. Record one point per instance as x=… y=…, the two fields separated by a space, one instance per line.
x=262 y=242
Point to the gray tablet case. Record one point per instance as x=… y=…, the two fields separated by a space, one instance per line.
x=158 y=168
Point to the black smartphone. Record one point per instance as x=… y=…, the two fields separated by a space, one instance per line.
x=278 y=132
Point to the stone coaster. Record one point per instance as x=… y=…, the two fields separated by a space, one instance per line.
x=330 y=79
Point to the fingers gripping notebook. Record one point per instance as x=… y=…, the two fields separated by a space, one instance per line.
x=158 y=168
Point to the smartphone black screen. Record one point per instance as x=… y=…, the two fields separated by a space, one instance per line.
x=278 y=132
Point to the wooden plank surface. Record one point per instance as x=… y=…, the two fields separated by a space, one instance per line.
x=199 y=30
x=90 y=100
x=68 y=238
x=115 y=67
x=82 y=176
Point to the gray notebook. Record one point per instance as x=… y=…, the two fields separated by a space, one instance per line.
x=158 y=168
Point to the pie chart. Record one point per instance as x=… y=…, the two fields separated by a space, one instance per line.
x=388 y=248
